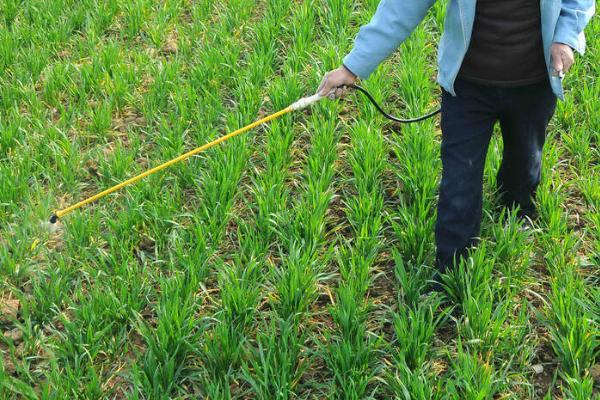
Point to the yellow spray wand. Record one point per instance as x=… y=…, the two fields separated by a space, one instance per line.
x=298 y=105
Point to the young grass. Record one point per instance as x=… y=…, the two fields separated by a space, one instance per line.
x=350 y=355
x=277 y=367
x=292 y=262
x=408 y=384
x=170 y=341
x=414 y=328
x=473 y=378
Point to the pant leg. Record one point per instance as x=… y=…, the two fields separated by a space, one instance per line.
x=524 y=118
x=467 y=125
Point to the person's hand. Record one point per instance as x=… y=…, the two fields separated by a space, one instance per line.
x=333 y=80
x=562 y=58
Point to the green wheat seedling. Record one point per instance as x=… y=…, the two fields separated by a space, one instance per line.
x=278 y=365
x=473 y=378
x=572 y=329
x=410 y=384
x=296 y=285
x=470 y=277
x=414 y=329
x=355 y=259
x=512 y=248
x=306 y=225
x=580 y=389
x=484 y=321
x=169 y=342
x=255 y=244
x=351 y=355
x=413 y=156
x=135 y=12
x=411 y=281
x=571 y=325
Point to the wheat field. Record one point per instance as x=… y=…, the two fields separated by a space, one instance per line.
x=292 y=261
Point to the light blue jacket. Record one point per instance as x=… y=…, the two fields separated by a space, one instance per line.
x=563 y=21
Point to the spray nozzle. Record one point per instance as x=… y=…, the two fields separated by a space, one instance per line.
x=53 y=218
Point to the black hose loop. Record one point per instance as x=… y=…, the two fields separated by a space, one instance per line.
x=389 y=116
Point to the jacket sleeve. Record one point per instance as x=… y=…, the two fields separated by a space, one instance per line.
x=574 y=16
x=392 y=23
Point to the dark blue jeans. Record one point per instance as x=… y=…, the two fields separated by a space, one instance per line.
x=467 y=124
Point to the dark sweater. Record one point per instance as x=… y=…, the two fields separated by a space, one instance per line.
x=506 y=44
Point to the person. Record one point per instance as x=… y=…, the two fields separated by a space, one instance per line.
x=497 y=61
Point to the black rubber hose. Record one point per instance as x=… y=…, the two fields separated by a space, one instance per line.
x=388 y=116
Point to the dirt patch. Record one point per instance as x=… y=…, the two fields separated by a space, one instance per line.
x=170 y=46
x=383 y=296
x=118 y=387
x=9 y=309
x=543 y=377
x=595 y=374
x=14 y=335
x=337 y=224
x=9 y=366
x=64 y=53
x=126 y=119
